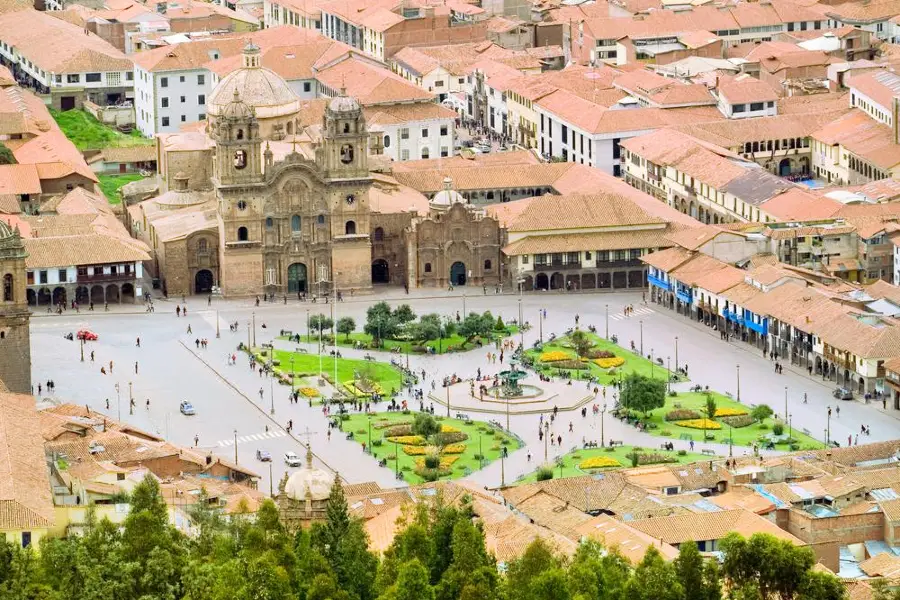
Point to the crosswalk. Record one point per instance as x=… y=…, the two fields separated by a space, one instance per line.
x=639 y=311
x=253 y=437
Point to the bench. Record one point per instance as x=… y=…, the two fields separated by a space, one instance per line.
x=613 y=443
x=299 y=350
x=708 y=452
x=462 y=416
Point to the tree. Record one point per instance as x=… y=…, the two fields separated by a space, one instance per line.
x=404 y=314
x=346 y=325
x=412 y=583
x=381 y=324
x=6 y=155
x=654 y=579
x=475 y=325
x=643 y=394
x=761 y=412
x=581 y=342
x=320 y=323
x=693 y=576
x=337 y=522
x=776 y=566
x=822 y=586
x=425 y=425
x=710 y=407
x=521 y=572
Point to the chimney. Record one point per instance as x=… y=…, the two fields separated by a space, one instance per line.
x=895 y=113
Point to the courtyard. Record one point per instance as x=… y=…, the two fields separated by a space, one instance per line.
x=230 y=409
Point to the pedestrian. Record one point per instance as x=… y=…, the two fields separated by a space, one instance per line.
x=570 y=427
x=148 y=403
x=107 y=404
x=110 y=367
x=196 y=440
x=189 y=329
x=804 y=398
x=92 y=356
x=529 y=456
x=559 y=441
x=328 y=435
x=260 y=393
x=849 y=439
x=184 y=311
x=138 y=344
x=837 y=410
x=39 y=389
x=692 y=445
x=135 y=368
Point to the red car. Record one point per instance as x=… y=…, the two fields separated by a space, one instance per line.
x=86 y=335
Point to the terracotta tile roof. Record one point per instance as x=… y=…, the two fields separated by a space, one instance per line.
x=885 y=564
x=795 y=60
x=697 y=39
x=796 y=204
x=744 y=89
x=580 y=212
x=509 y=537
x=388 y=196
x=693 y=239
x=483 y=178
x=668 y=259
x=26 y=502
x=630 y=542
x=54 y=155
x=891 y=509
x=880 y=86
x=859 y=134
x=853 y=455
x=370 y=84
x=739 y=497
x=125 y=154
x=865 y=12
x=577 y=242
x=57 y=46
x=455 y=58
x=814 y=103
x=293 y=58
x=80 y=250
x=403 y=113
x=21 y=112
x=709 y=526
x=19 y=179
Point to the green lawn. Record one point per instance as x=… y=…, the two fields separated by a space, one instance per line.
x=87 y=133
x=741 y=436
x=110 y=185
x=306 y=366
x=454 y=343
x=567 y=464
x=480 y=435
x=634 y=363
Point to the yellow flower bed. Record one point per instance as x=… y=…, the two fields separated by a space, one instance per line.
x=408 y=440
x=446 y=462
x=608 y=363
x=414 y=450
x=599 y=462
x=449 y=429
x=554 y=356
x=730 y=412
x=454 y=449
x=699 y=424
x=309 y=392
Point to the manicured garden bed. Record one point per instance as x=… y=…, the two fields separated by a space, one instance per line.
x=692 y=417
x=580 y=462
x=453 y=343
x=471 y=444
x=560 y=358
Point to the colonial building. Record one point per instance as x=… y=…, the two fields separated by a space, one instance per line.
x=15 y=345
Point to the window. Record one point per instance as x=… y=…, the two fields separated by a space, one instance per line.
x=183 y=118
x=92 y=77
x=320 y=220
x=163 y=82
x=201 y=116
x=295 y=224
x=445 y=151
x=73 y=78
x=443 y=130
x=524 y=259
x=63 y=276
x=378 y=234
x=242 y=234
x=242 y=205
x=425 y=133
x=182 y=99
x=240 y=159
x=428 y=267
x=164 y=102
x=350 y=228
x=738 y=108
x=202 y=246
x=42 y=276
x=487 y=265
x=404 y=134
x=269 y=223
x=404 y=155
x=307 y=86
x=425 y=153
x=201 y=79
x=387 y=141
x=757 y=106
x=129 y=76
x=8 y=287
x=26 y=539
x=201 y=99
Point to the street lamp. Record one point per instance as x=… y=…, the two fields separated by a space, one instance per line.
x=130 y=400
x=828 y=429
x=307 y=326
x=651 y=363
x=396 y=461
x=118 y=402
x=676 y=354
x=790 y=428
x=464 y=303
x=82 y=349
x=738 y=383
x=641 y=323
x=546 y=433
x=218 y=335
x=669 y=374
x=272 y=389
x=541 y=325
x=602 y=419
x=785 y=403
x=235 y=447
x=730 y=441
x=607 y=321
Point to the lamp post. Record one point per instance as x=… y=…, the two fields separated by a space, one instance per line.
x=118 y=402
x=602 y=427
x=235 y=447
x=130 y=400
x=785 y=403
x=730 y=441
x=641 y=323
x=541 y=325
x=396 y=461
x=546 y=434
x=272 y=389
x=676 y=354
x=307 y=326
x=607 y=321
x=790 y=428
x=651 y=363
x=828 y=429
x=271 y=491
x=448 y=399
x=218 y=334
x=738 y=383
x=82 y=349
x=669 y=374
x=464 y=303
x=249 y=345
x=253 y=317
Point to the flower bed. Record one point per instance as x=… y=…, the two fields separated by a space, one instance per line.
x=571 y=364
x=609 y=363
x=730 y=412
x=446 y=461
x=309 y=392
x=454 y=449
x=600 y=354
x=699 y=424
x=599 y=462
x=395 y=430
x=682 y=414
x=739 y=421
x=414 y=450
x=653 y=458
x=449 y=429
x=554 y=356
x=407 y=440
x=358 y=392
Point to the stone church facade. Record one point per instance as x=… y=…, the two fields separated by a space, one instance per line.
x=15 y=341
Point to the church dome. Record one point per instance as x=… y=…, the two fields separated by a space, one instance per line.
x=179 y=196
x=259 y=88
x=447 y=196
x=343 y=103
x=309 y=482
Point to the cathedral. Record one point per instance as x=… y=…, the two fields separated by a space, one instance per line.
x=269 y=200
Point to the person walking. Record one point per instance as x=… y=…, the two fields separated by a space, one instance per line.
x=138 y=343
x=148 y=404
x=110 y=367
x=135 y=368
x=196 y=440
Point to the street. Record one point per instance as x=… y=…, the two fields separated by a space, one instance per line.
x=227 y=397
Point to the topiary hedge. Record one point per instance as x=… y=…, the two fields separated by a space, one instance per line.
x=682 y=414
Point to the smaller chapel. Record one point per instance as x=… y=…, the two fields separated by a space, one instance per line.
x=303 y=496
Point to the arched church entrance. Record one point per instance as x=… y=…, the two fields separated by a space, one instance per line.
x=297 y=281
x=380 y=271
x=203 y=281
x=458 y=273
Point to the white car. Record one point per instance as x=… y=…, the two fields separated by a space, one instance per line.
x=292 y=460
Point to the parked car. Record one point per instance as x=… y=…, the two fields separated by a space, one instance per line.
x=187 y=408
x=263 y=455
x=292 y=460
x=843 y=394
x=86 y=335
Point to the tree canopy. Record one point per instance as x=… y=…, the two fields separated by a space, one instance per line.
x=642 y=393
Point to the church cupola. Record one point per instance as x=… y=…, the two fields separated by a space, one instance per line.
x=344 y=153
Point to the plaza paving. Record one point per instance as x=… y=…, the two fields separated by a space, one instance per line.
x=171 y=369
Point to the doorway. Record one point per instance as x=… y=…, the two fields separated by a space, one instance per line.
x=297 y=278
x=458 y=273
x=203 y=281
x=380 y=271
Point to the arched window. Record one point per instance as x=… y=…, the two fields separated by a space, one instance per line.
x=320 y=219
x=290 y=128
x=378 y=234
x=240 y=159
x=295 y=223
x=350 y=227
x=387 y=141
x=242 y=234
x=8 y=288
x=240 y=134
x=269 y=222
x=202 y=246
x=346 y=127
x=428 y=267
x=487 y=265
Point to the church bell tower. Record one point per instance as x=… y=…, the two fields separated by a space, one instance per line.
x=15 y=341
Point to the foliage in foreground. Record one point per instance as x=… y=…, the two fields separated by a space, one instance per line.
x=439 y=554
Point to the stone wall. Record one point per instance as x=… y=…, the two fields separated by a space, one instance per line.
x=15 y=350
